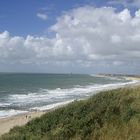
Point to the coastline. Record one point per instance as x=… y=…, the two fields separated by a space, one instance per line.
x=21 y=119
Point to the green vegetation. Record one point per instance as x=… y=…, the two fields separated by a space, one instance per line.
x=109 y=115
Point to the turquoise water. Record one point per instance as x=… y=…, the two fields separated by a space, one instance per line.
x=24 y=92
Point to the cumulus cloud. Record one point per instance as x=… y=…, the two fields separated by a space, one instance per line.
x=42 y=16
x=86 y=36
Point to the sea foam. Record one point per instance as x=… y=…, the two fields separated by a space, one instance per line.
x=11 y=112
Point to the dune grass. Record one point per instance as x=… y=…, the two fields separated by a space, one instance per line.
x=109 y=115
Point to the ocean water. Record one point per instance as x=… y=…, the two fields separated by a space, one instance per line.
x=20 y=93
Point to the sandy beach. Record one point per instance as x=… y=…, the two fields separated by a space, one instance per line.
x=7 y=123
x=19 y=120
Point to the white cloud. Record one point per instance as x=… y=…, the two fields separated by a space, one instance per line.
x=115 y=39
x=85 y=36
x=42 y=16
x=125 y=15
x=126 y=3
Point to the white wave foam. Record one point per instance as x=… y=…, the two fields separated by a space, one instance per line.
x=11 y=112
x=51 y=106
x=62 y=94
x=4 y=104
x=90 y=89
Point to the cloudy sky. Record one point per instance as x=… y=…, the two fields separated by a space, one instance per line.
x=63 y=36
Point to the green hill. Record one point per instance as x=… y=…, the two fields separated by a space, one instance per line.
x=109 y=115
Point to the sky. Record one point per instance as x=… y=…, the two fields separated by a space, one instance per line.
x=64 y=36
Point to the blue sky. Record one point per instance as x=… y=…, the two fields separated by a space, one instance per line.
x=62 y=36
x=19 y=16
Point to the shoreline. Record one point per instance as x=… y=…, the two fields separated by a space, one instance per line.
x=8 y=123
x=21 y=119
x=18 y=120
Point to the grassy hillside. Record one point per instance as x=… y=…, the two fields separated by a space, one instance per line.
x=110 y=115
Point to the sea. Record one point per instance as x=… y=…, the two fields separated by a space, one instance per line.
x=24 y=92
